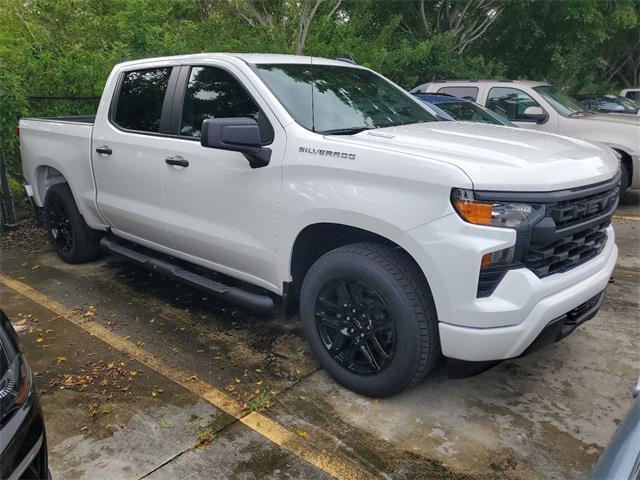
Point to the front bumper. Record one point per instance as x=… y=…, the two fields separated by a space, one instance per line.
x=550 y=298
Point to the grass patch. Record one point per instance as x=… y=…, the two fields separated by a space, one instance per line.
x=205 y=437
x=261 y=401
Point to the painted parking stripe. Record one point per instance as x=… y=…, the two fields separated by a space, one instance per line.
x=333 y=464
x=627 y=217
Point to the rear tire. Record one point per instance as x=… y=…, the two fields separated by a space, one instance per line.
x=369 y=317
x=70 y=236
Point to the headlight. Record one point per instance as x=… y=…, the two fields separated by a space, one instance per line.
x=492 y=214
x=15 y=384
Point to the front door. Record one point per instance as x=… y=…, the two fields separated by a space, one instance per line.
x=220 y=211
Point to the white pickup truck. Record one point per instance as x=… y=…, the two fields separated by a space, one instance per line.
x=540 y=106
x=274 y=180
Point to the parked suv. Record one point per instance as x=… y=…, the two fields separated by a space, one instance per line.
x=276 y=179
x=540 y=106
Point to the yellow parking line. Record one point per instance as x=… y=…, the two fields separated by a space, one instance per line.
x=305 y=448
x=627 y=217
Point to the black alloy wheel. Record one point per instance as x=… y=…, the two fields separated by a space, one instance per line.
x=355 y=326
x=59 y=223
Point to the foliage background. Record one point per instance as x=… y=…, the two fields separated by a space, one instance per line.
x=68 y=47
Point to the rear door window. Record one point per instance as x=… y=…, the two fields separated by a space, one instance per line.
x=466 y=93
x=510 y=103
x=140 y=99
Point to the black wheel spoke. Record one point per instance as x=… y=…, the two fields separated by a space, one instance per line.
x=368 y=355
x=329 y=305
x=343 y=292
x=375 y=345
x=60 y=226
x=331 y=322
x=355 y=326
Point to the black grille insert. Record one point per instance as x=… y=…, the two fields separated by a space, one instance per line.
x=567 y=252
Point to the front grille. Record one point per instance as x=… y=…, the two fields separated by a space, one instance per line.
x=567 y=252
x=571 y=212
x=573 y=231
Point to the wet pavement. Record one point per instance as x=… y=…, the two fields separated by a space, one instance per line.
x=110 y=416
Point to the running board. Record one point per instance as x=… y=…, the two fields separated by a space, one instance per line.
x=257 y=302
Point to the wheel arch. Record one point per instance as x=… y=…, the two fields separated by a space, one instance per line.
x=316 y=239
x=626 y=160
x=46 y=176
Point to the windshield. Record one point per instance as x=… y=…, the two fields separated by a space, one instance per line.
x=336 y=99
x=628 y=104
x=470 y=112
x=563 y=103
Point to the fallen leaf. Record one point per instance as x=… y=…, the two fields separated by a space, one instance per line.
x=303 y=433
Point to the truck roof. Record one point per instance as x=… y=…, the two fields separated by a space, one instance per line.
x=251 y=58
x=530 y=83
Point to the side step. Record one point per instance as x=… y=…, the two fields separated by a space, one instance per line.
x=164 y=265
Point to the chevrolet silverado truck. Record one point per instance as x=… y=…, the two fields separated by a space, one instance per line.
x=540 y=106
x=320 y=187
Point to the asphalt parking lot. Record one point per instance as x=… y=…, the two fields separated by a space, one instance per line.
x=141 y=377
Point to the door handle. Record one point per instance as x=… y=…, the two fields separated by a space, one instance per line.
x=104 y=150
x=177 y=160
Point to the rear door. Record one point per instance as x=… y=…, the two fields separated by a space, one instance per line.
x=222 y=213
x=129 y=146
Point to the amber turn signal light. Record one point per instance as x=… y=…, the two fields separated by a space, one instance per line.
x=474 y=212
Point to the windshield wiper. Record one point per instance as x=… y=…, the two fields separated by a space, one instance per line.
x=345 y=131
x=579 y=112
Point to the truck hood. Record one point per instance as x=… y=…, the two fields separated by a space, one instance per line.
x=499 y=158
x=610 y=119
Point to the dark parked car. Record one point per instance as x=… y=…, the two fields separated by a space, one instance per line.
x=23 y=444
x=609 y=104
x=621 y=458
x=451 y=108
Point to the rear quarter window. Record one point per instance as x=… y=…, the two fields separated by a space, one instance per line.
x=140 y=99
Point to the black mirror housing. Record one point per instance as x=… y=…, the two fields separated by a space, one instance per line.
x=237 y=134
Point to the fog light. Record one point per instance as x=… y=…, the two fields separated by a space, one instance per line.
x=500 y=257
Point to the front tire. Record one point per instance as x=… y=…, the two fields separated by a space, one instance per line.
x=625 y=181
x=70 y=236
x=369 y=317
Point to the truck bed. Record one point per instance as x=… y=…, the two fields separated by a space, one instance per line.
x=58 y=149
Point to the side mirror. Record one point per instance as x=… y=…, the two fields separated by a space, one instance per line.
x=237 y=135
x=536 y=113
